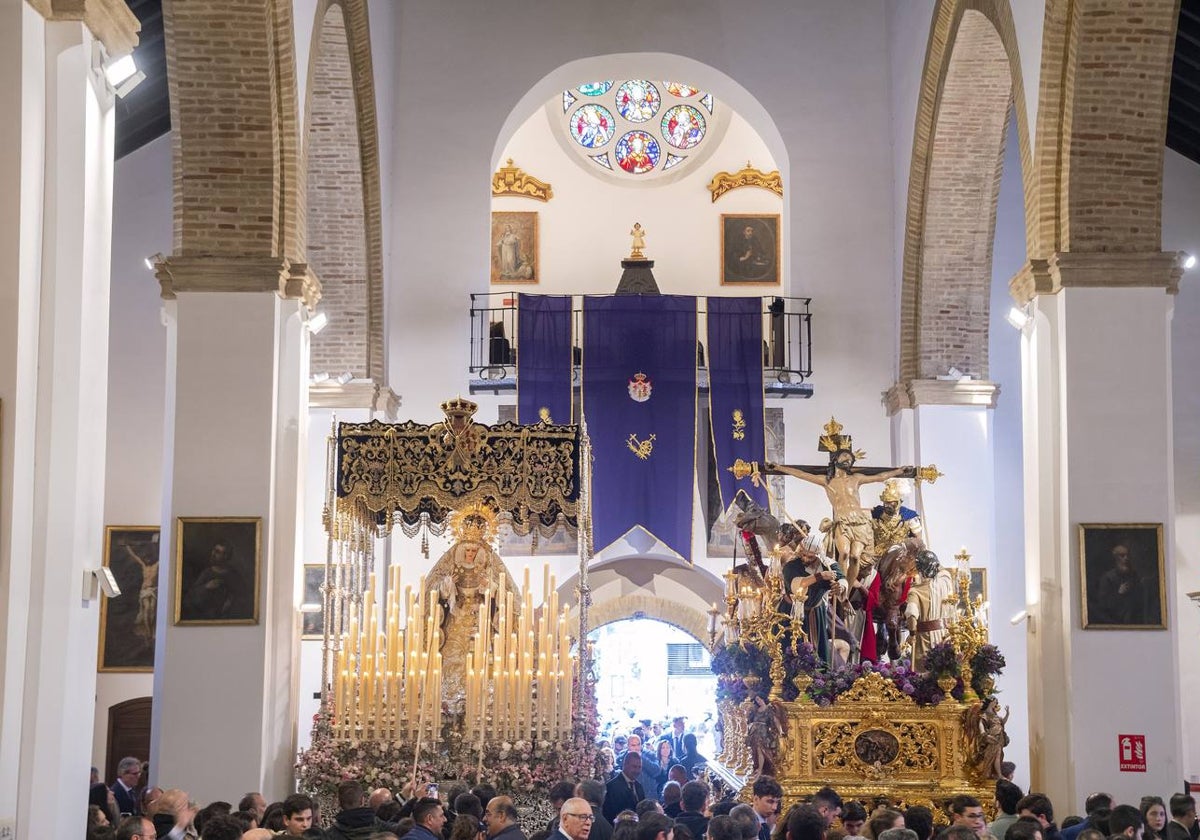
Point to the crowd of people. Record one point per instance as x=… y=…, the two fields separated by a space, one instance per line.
x=640 y=801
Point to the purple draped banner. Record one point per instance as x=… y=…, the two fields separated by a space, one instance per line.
x=639 y=398
x=735 y=391
x=544 y=358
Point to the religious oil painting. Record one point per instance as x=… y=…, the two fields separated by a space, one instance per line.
x=978 y=585
x=312 y=622
x=514 y=247
x=1121 y=577
x=216 y=578
x=127 y=622
x=749 y=249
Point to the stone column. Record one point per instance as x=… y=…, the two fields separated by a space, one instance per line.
x=1097 y=403
x=225 y=695
x=56 y=149
x=949 y=423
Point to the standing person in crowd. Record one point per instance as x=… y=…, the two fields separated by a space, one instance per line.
x=575 y=819
x=691 y=759
x=1092 y=805
x=919 y=819
x=1007 y=797
x=665 y=758
x=626 y=790
x=655 y=827
x=693 y=798
x=828 y=805
x=671 y=793
x=966 y=811
x=559 y=793
x=1126 y=821
x=1025 y=828
x=766 y=796
x=677 y=732
x=745 y=821
x=1154 y=812
x=1183 y=817
x=594 y=792
x=854 y=818
x=650 y=768
x=356 y=820
x=129 y=770
x=807 y=823
x=297 y=815
x=881 y=820
x=1038 y=806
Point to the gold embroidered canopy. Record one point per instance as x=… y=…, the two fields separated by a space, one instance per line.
x=412 y=472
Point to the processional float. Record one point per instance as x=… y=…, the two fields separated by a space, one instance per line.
x=462 y=670
x=913 y=732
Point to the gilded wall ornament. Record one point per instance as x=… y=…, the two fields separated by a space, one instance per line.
x=723 y=182
x=514 y=181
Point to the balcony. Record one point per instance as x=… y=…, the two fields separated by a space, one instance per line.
x=787 y=344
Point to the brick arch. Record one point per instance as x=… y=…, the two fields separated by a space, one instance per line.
x=341 y=159
x=1101 y=127
x=689 y=620
x=970 y=86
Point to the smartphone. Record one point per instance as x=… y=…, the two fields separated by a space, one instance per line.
x=431 y=790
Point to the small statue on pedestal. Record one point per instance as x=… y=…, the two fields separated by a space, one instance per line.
x=639 y=242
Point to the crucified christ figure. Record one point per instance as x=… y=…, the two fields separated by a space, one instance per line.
x=852 y=534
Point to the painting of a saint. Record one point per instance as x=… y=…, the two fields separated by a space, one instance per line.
x=514 y=247
x=1122 y=577
x=749 y=249
x=216 y=576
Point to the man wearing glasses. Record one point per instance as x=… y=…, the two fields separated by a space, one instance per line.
x=136 y=828
x=128 y=773
x=575 y=819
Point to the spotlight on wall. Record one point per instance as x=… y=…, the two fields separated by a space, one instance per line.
x=1023 y=615
x=1018 y=317
x=317 y=322
x=310 y=608
x=123 y=74
x=1189 y=261
x=151 y=261
x=343 y=378
x=318 y=378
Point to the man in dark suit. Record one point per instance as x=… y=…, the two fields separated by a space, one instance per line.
x=1183 y=817
x=677 y=737
x=593 y=791
x=625 y=791
x=128 y=773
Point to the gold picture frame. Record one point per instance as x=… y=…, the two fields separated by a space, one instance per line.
x=212 y=587
x=750 y=249
x=1116 y=598
x=514 y=247
x=128 y=622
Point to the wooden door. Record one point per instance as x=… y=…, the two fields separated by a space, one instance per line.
x=128 y=734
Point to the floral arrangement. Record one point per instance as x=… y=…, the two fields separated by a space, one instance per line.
x=519 y=766
x=733 y=663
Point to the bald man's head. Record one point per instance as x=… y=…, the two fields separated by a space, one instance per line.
x=379 y=796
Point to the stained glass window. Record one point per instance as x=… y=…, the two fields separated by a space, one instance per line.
x=639 y=129
x=637 y=152
x=592 y=126
x=637 y=100
x=680 y=89
x=683 y=127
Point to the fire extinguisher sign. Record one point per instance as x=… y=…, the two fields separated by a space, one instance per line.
x=1131 y=753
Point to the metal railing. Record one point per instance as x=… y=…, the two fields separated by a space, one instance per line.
x=787 y=335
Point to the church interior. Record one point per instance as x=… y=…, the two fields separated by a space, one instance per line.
x=432 y=379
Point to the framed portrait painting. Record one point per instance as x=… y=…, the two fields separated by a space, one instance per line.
x=514 y=247
x=1122 y=584
x=750 y=249
x=127 y=622
x=978 y=585
x=312 y=622
x=217 y=570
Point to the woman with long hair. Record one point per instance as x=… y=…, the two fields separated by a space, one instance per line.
x=665 y=759
x=881 y=820
x=1154 y=812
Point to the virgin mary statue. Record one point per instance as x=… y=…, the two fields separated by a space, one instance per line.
x=469 y=574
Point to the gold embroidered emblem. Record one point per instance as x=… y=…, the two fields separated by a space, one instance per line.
x=739 y=425
x=544 y=415
x=641 y=448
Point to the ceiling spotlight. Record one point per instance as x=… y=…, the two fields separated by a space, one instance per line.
x=151 y=261
x=1189 y=261
x=318 y=322
x=1018 y=317
x=123 y=74
x=344 y=378
x=318 y=378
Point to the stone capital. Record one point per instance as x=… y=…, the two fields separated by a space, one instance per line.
x=1097 y=269
x=220 y=273
x=357 y=393
x=919 y=392
x=110 y=21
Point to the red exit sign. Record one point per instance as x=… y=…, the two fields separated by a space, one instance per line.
x=1131 y=753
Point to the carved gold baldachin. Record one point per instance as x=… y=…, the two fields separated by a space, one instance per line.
x=514 y=181
x=723 y=182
